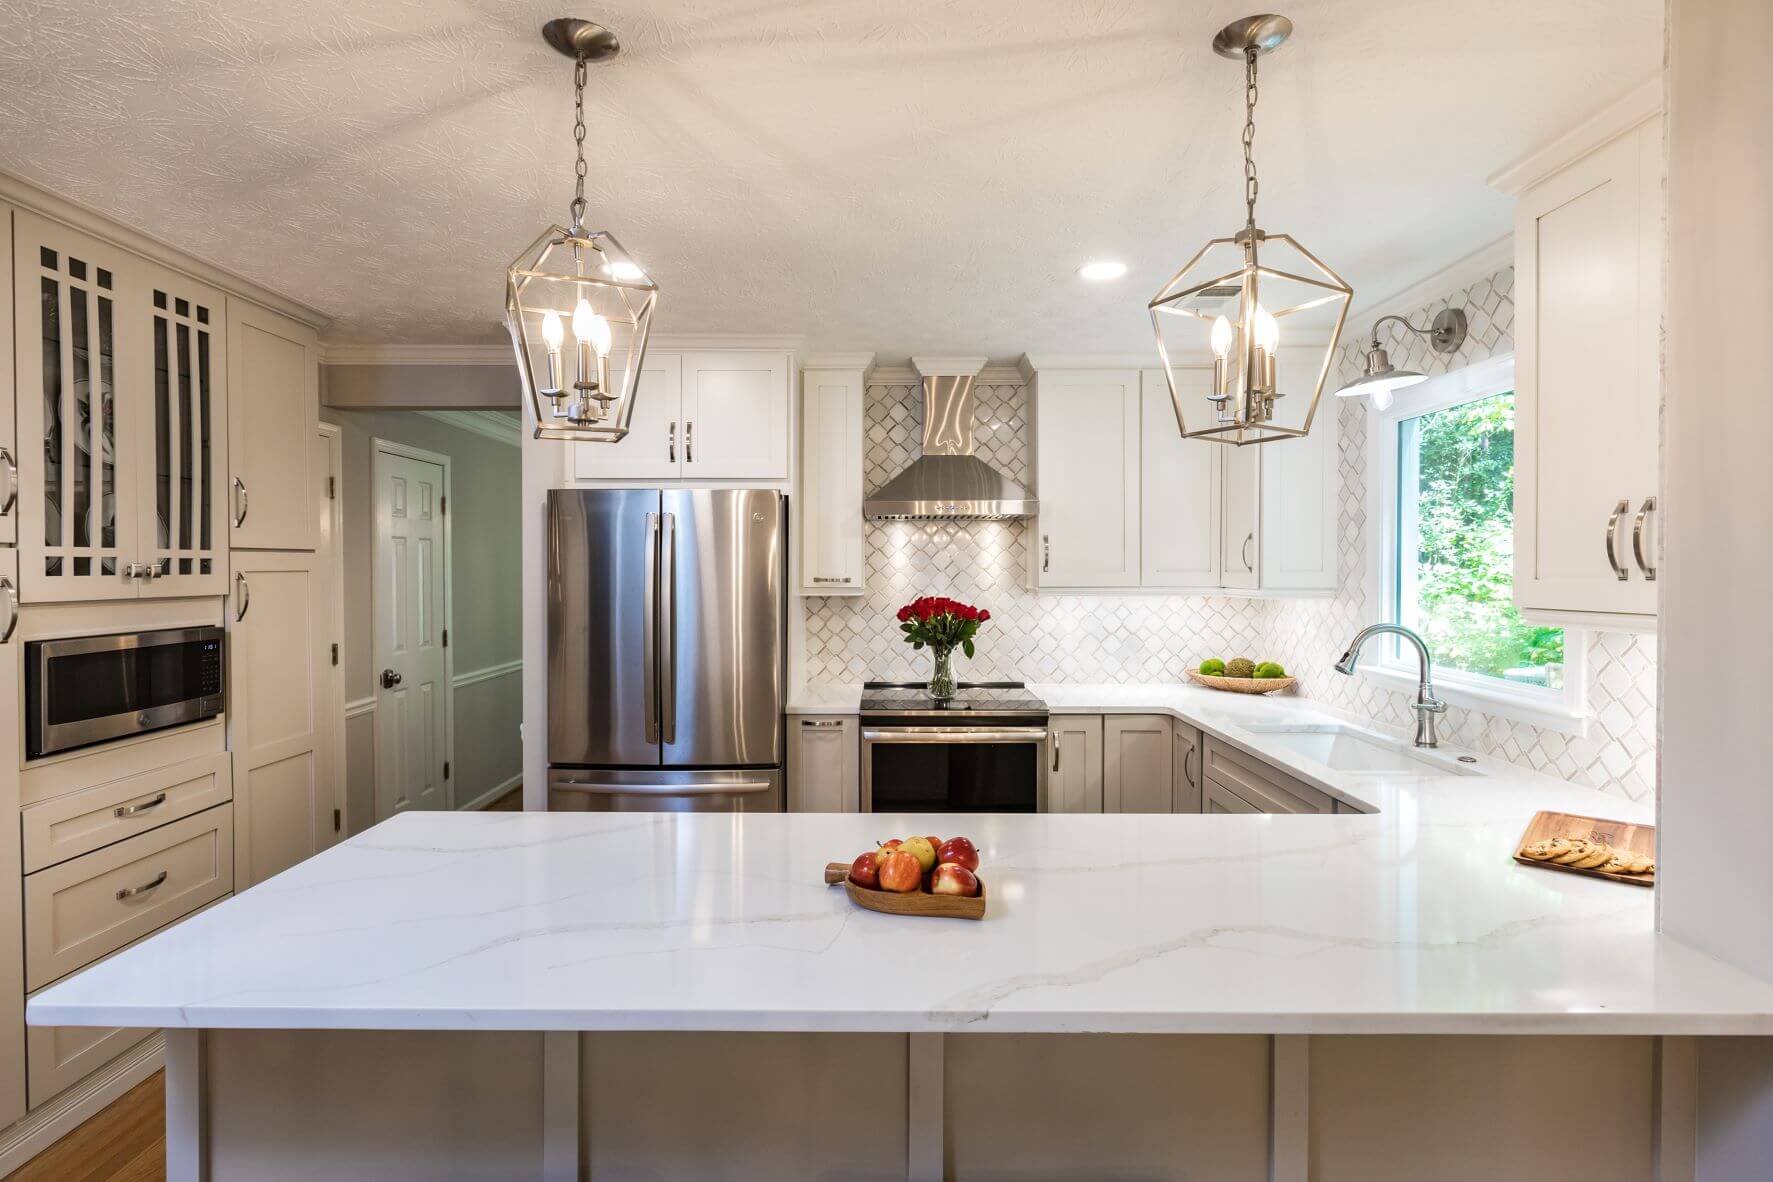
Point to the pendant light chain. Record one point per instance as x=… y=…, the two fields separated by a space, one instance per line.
x=1250 y=185
x=578 y=205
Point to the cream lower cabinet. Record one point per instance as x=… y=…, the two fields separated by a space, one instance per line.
x=1588 y=288
x=1127 y=503
x=1185 y=762
x=829 y=518
x=824 y=763
x=273 y=417
x=121 y=490
x=1074 y=763
x=278 y=636
x=12 y=966
x=9 y=509
x=1137 y=767
x=1228 y=771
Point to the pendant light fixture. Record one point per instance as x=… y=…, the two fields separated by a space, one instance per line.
x=1232 y=308
x=579 y=281
x=1378 y=377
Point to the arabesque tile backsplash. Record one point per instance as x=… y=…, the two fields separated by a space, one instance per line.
x=1136 y=638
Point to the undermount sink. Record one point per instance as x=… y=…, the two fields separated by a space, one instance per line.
x=1345 y=749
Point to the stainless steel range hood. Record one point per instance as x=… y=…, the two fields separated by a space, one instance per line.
x=948 y=480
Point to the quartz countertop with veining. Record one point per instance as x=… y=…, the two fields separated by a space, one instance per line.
x=1408 y=919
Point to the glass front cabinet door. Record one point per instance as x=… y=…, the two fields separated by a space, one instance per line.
x=121 y=422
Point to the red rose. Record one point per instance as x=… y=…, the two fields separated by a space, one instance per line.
x=983 y=616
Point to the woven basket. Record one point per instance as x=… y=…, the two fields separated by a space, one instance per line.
x=1242 y=685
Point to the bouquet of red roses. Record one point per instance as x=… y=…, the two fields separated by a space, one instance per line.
x=941 y=623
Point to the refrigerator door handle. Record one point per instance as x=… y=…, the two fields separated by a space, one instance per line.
x=668 y=628
x=649 y=615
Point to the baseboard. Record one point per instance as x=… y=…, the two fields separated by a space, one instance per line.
x=492 y=794
x=44 y=1126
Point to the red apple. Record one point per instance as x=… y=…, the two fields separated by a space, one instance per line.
x=887 y=847
x=951 y=878
x=900 y=872
x=959 y=850
x=865 y=871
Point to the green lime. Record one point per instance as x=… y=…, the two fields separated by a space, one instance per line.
x=1212 y=667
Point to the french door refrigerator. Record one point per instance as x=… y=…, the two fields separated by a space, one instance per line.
x=667 y=618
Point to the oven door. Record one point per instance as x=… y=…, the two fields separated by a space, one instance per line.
x=954 y=769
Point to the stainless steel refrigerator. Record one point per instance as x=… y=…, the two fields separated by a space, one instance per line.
x=667 y=619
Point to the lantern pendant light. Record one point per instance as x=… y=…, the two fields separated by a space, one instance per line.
x=579 y=281
x=1225 y=313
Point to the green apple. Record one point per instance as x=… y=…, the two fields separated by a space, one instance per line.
x=921 y=849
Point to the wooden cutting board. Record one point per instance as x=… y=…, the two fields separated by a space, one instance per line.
x=1639 y=839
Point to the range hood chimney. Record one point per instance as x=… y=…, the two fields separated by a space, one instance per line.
x=948 y=481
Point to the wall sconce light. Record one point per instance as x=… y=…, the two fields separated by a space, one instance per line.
x=1445 y=334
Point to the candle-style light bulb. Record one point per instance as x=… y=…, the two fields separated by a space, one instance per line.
x=601 y=337
x=552 y=330
x=1267 y=330
x=1221 y=338
x=583 y=318
x=1221 y=342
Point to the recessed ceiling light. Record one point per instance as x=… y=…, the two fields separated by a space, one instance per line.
x=1103 y=269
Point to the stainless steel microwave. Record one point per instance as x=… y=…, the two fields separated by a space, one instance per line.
x=81 y=690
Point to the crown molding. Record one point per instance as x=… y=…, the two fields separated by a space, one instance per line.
x=500 y=427
x=1645 y=101
x=28 y=194
x=905 y=375
x=949 y=367
x=1031 y=363
x=333 y=354
x=1436 y=288
x=861 y=361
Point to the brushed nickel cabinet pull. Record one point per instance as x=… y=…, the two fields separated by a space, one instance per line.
x=1046 y=553
x=244 y=595
x=239 y=502
x=1619 y=511
x=130 y=810
x=132 y=892
x=823 y=579
x=1637 y=539
x=671 y=442
x=11 y=608
x=11 y=481
x=1244 y=551
x=689 y=441
x=1058 y=743
x=823 y=723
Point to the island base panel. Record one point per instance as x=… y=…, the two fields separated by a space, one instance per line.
x=276 y=1105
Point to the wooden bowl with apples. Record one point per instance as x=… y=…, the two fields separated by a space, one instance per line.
x=915 y=876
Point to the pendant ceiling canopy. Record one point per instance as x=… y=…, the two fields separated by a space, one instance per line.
x=1247 y=328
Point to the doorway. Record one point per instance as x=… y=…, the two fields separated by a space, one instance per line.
x=410 y=603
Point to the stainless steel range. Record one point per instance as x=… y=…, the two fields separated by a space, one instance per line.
x=984 y=751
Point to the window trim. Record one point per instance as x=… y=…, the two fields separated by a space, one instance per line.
x=1564 y=710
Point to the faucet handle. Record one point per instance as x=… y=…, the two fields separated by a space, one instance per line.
x=1427 y=701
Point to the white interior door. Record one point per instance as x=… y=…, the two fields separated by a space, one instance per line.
x=1182 y=486
x=411 y=614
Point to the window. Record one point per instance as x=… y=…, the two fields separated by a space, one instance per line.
x=1443 y=507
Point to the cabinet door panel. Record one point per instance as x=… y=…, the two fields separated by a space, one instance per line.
x=1187 y=768
x=824 y=769
x=79 y=358
x=1241 y=543
x=274 y=658
x=9 y=500
x=831 y=472
x=183 y=437
x=273 y=412
x=1074 y=775
x=1087 y=447
x=12 y=978
x=1297 y=530
x=1182 y=485
x=735 y=412
x=1136 y=769
x=1587 y=381
x=653 y=447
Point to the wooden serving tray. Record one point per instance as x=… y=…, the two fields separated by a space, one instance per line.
x=1242 y=685
x=908 y=902
x=1639 y=839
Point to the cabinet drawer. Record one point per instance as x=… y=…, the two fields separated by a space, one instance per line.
x=81 y=822
x=80 y=910
x=1271 y=790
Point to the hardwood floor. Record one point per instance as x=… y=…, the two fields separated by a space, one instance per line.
x=511 y=802
x=124 y=1142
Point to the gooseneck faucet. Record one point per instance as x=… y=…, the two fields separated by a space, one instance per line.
x=1427 y=706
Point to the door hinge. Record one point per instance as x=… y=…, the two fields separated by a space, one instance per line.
x=335 y=654
x=338 y=820
x=443 y=506
x=446 y=638
x=446 y=769
x=332 y=488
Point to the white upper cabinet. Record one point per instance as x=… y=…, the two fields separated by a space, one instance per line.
x=701 y=416
x=1240 y=533
x=830 y=516
x=650 y=450
x=1087 y=473
x=273 y=412
x=735 y=416
x=1299 y=478
x=1182 y=486
x=1588 y=284
x=123 y=484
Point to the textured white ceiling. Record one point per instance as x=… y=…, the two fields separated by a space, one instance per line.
x=903 y=177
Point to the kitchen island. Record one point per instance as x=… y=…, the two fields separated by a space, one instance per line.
x=679 y=995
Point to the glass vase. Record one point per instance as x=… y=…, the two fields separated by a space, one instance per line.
x=942 y=676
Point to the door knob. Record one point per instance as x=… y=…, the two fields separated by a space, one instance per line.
x=390 y=679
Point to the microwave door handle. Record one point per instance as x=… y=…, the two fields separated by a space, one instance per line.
x=668 y=627
x=649 y=617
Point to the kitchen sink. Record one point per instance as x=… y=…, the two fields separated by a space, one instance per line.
x=1346 y=749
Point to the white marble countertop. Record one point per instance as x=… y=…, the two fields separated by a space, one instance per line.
x=1413 y=919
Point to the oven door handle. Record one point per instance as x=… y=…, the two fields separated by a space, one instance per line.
x=938 y=734
x=718 y=788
